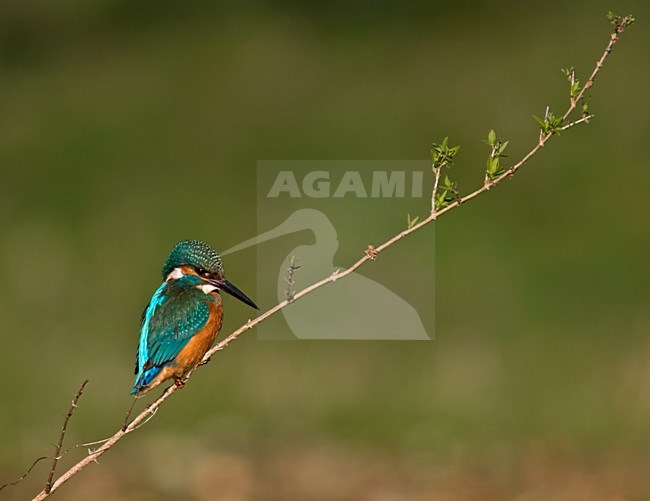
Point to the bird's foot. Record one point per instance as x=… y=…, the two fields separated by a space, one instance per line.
x=178 y=381
x=203 y=362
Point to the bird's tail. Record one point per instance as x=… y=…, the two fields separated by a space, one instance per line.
x=144 y=378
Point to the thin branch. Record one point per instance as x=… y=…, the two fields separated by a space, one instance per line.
x=26 y=473
x=55 y=460
x=289 y=280
x=584 y=119
x=148 y=413
x=85 y=444
x=436 y=182
x=128 y=413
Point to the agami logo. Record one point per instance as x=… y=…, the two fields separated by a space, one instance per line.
x=318 y=184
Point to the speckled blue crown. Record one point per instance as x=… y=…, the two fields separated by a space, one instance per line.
x=195 y=254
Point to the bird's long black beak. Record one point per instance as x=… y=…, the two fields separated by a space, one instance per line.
x=224 y=285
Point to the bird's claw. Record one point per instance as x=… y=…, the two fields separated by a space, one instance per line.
x=203 y=362
x=179 y=382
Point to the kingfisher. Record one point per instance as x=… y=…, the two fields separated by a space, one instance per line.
x=183 y=317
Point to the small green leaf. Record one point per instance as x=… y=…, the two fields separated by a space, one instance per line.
x=492 y=137
x=441 y=200
x=411 y=222
x=575 y=89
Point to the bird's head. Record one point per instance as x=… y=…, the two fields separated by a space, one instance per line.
x=194 y=257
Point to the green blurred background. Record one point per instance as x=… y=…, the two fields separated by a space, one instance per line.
x=126 y=126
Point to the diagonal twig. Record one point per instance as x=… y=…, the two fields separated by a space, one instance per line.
x=26 y=473
x=55 y=460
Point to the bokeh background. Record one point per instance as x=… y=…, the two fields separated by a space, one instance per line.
x=126 y=126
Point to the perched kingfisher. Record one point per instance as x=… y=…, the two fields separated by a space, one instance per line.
x=183 y=317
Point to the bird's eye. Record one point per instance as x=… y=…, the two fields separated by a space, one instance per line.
x=202 y=272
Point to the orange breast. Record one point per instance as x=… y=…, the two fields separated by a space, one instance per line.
x=193 y=351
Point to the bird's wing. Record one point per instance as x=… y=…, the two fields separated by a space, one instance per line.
x=137 y=351
x=169 y=322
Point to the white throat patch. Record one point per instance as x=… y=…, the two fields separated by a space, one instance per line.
x=207 y=288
